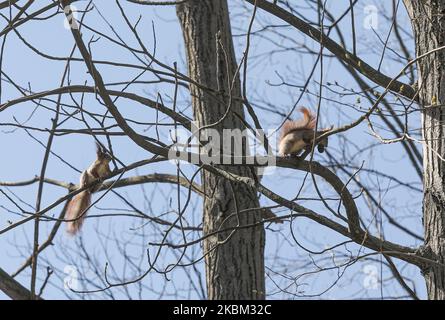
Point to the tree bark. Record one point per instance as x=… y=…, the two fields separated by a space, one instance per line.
x=12 y=288
x=428 y=21
x=234 y=263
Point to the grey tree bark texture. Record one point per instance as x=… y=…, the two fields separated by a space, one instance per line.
x=12 y=288
x=234 y=261
x=428 y=21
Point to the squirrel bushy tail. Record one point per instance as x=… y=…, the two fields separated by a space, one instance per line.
x=77 y=211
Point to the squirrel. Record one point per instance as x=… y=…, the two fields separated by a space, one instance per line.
x=299 y=134
x=78 y=206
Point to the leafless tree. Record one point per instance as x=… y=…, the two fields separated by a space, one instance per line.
x=340 y=224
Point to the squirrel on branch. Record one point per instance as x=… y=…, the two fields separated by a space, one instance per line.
x=78 y=206
x=299 y=135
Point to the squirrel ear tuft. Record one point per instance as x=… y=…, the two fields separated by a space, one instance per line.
x=100 y=150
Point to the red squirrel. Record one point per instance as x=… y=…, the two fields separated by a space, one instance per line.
x=78 y=206
x=299 y=134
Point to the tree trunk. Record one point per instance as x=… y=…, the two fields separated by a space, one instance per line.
x=234 y=268
x=12 y=288
x=428 y=22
